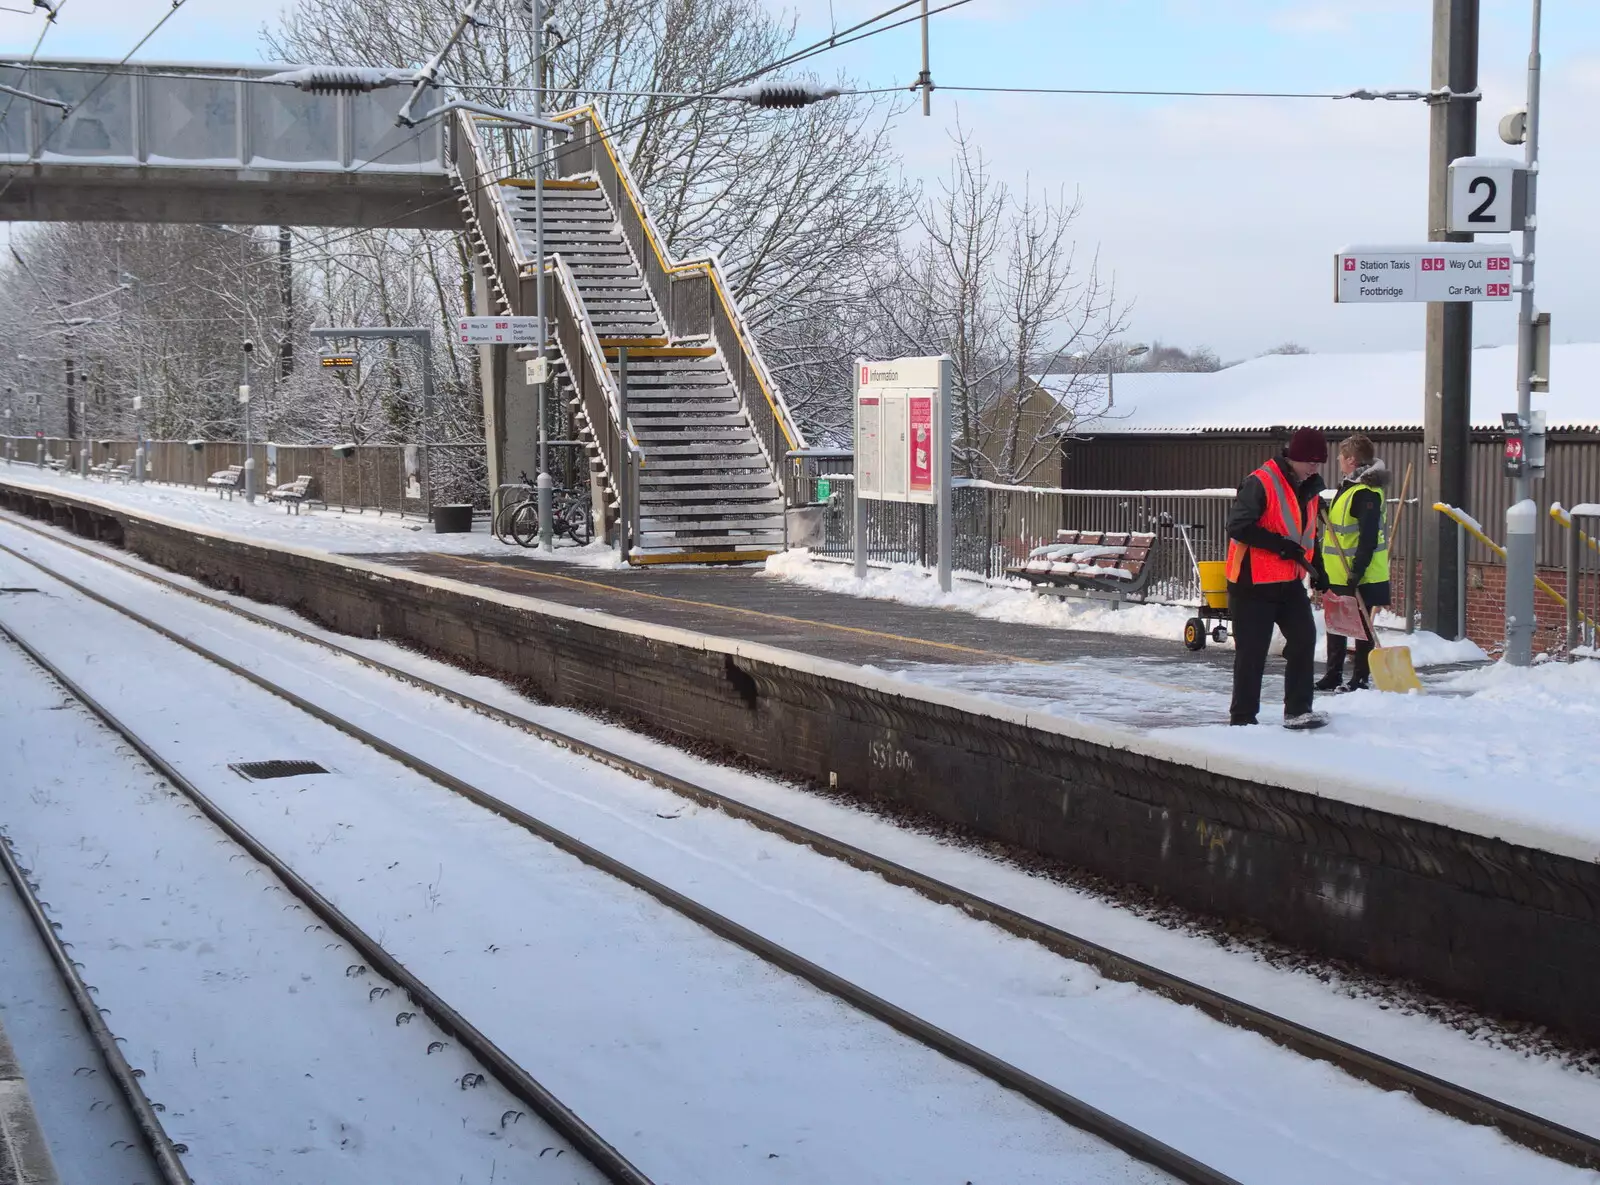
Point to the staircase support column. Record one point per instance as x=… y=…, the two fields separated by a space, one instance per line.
x=492 y=378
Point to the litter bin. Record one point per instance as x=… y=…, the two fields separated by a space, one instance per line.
x=807 y=526
x=452 y=519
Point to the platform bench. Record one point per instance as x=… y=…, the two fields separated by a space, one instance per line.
x=1114 y=565
x=226 y=481
x=294 y=494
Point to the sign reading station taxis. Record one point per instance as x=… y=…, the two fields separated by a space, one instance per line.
x=1428 y=272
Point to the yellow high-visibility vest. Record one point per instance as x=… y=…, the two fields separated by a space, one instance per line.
x=1344 y=529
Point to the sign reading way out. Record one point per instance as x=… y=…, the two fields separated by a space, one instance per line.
x=1427 y=272
x=498 y=331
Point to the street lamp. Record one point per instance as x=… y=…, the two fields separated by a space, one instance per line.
x=1111 y=395
x=249 y=447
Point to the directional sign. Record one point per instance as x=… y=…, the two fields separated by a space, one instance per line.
x=1488 y=194
x=498 y=331
x=1427 y=272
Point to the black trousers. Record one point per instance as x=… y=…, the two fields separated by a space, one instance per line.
x=1255 y=610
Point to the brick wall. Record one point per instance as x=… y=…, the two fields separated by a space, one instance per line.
x=1486 y=607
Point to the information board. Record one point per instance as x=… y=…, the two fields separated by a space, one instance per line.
x=899 y=410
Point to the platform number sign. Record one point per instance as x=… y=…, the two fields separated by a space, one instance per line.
x=1488 y=195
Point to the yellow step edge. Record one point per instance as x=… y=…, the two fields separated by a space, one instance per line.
x=530 y=183
x=665 y=352
x=700 y=557
x=653 y=343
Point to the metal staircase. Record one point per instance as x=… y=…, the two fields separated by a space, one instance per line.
x=696 y=413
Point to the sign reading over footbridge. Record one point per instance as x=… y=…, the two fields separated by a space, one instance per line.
x=1427 y=272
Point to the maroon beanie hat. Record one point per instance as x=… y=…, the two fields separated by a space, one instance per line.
x=1308 y=444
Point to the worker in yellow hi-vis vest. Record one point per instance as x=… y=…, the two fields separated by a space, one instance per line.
x=1356 y=522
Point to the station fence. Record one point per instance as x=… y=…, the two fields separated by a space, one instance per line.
x=388 y=478
x=996 y=526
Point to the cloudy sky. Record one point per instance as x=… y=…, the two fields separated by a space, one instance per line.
x=1220 y=217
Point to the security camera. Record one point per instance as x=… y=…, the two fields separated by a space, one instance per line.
x=249 y=346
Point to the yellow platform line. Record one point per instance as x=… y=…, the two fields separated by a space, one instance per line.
x=857 y=631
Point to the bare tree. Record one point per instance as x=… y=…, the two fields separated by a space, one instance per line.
x=996 y=282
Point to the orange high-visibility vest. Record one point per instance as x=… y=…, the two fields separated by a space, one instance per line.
x=1285 y=516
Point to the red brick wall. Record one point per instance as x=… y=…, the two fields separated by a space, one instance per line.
x=1486 y=608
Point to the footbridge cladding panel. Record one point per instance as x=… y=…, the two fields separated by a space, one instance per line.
x=185 y=142
x=1508 y=928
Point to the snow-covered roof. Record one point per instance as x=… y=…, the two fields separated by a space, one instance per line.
x=1341 y=391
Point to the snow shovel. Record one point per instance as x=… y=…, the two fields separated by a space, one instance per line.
x=1391 y=665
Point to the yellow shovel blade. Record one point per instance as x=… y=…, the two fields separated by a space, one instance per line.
x=1392 y=670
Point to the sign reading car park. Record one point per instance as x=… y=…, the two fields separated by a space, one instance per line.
x=1426 y=272
x=498 y=331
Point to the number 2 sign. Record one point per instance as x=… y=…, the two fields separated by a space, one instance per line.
x=1488 y=195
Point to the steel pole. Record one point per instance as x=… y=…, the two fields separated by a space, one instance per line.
x=425 y=340
x=1521 y=562
x=858 y=515
x=249 y=444
x=545 y=483
x=941 y=436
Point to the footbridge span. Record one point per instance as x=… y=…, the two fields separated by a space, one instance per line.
x=692 y=445
x=185 y=142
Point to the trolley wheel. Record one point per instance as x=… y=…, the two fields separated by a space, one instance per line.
x=1219 y=634
x=1194 y=634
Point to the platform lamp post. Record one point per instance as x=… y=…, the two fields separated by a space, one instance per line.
x=129 y=280
x=249 y=444
x=1111 y=392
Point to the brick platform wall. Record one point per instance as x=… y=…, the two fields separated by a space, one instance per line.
x=1486 y=608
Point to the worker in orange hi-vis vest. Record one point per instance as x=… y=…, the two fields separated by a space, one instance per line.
x=1272 y=533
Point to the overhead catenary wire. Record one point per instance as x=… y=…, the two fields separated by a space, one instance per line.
x=494 y=177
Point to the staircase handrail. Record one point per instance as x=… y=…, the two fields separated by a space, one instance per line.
x=506 y=257
x=712 y=268
x=591 y=377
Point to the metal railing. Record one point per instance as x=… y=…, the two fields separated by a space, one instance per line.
x=594 y=391
x=996 y=525
x=692 y=295
x=229 y=121
x=1583 y=578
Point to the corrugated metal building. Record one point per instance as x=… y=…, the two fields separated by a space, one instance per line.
x=1201 y=431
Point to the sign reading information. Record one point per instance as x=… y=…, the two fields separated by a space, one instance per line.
x=1429 y=272
x=899 y=408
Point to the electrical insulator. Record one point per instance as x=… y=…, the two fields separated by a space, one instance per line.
x=788 y=95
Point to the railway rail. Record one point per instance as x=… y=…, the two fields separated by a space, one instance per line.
x=163 y=1153
x=1523 y=1127
x=611 y=1163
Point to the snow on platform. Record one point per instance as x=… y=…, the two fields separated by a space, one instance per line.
x=331 y=530
x=1454 y=757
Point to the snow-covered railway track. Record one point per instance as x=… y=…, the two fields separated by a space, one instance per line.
x=1144 y=1152
x=1534 y=1131
x=612 y=1165
x=163 y=1155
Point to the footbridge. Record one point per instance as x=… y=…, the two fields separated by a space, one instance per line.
x=693 y=444
x=186 y=142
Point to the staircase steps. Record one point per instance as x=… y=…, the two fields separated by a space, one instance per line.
x=706 y=490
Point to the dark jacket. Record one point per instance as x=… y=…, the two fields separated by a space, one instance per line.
x=1244 y=519
x=1368 y=508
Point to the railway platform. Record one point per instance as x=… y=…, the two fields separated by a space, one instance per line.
x=24 y=1154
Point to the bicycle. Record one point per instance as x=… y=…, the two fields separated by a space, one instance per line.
x=570 y=514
